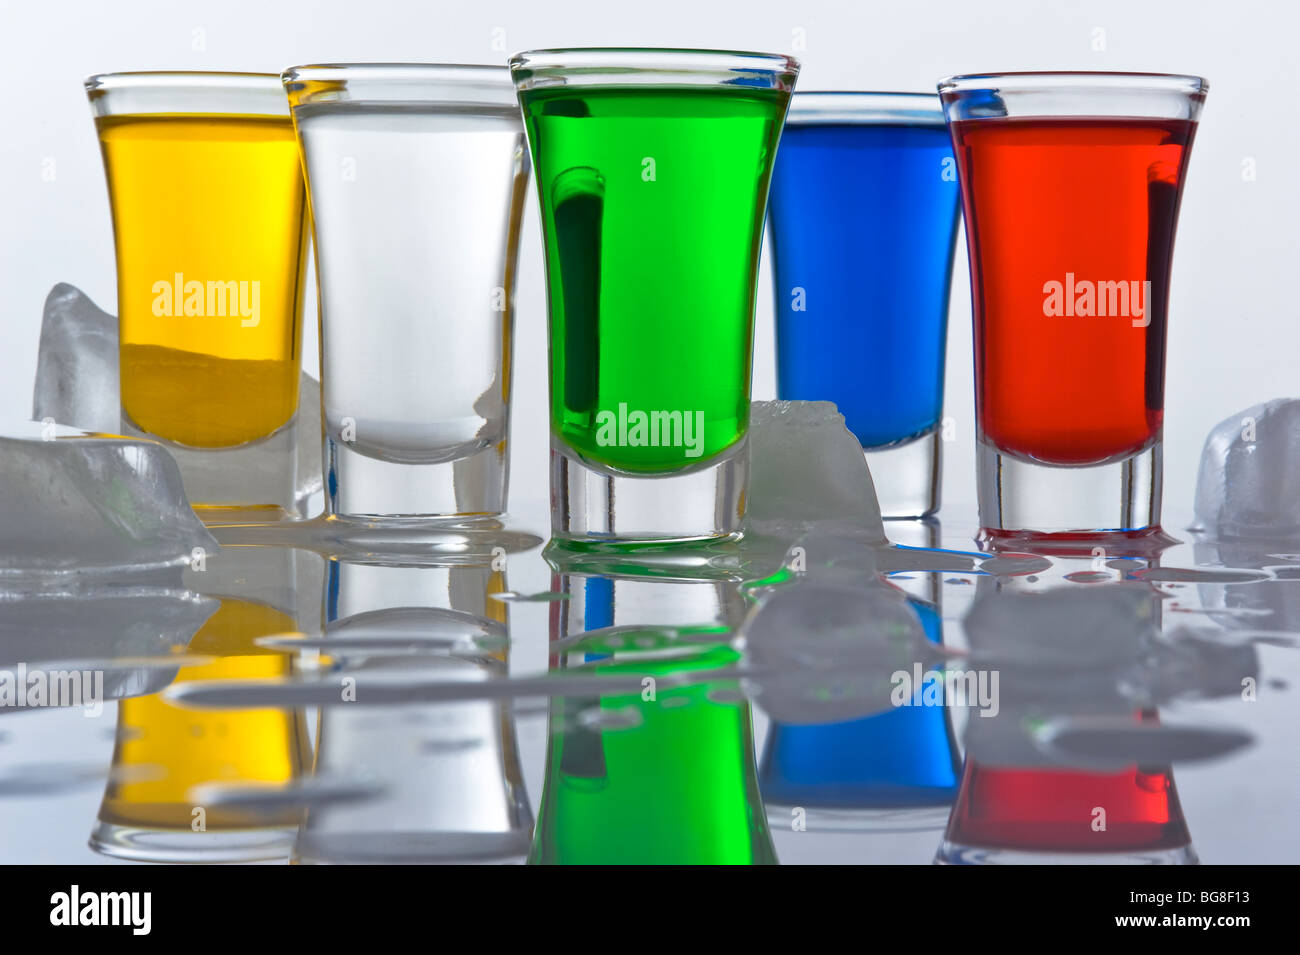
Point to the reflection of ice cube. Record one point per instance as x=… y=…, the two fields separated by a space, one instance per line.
x=1249 y=481
x=77 y=380
x=806 y=467
x=81 y=504
x=1266 y=605
x=823 y=652
x=1075 y=665
x=1074 y=630
x=125 y=632
x=76 y=367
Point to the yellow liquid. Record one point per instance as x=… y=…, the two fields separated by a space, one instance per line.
x=213 y=199
x=163 y=751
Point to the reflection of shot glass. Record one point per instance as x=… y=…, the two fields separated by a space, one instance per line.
x=416 y=175
x=863 y=221
x=210 y=225
x=661 y=770
x=1006 y=815
x=449 y=784
x=652 y=172
x=165 y=751
x=1071 y=184
x=896 y=770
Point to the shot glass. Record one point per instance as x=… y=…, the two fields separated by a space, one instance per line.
x=1071 y=184
x=864 y=214
x=210 y=227
x=652 y=173
x=416 y=175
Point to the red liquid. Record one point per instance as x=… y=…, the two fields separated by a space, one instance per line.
x=1097 y=198
x=1036 y=810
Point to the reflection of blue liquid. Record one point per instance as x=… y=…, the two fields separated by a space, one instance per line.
x=864 y=218
x=597 y=609
x=901 y=759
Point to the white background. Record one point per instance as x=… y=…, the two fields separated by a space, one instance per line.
x=1232 y=340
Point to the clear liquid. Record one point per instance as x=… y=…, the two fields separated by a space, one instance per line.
x=416 y=212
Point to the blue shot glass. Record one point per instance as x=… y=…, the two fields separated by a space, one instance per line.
x=863 y=220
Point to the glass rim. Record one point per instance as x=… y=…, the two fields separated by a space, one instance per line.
x=395 y=72
x=186 y=93
x=1064 y=80
x=664 y=66
x=849 y=107
x=180 y=80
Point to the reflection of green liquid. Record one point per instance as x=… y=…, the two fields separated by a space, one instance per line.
x=652 y=205
x=677 y=788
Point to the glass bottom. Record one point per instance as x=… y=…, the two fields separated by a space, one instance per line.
x=412 y=848
x=1024 y=499
x=368 y=489
x=906 y=476
x=902 y=819
x=258 y=477
x=186 y=846
x=952 y=853
x=601 y=507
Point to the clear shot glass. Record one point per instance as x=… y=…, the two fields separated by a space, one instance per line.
x=210 y=228
x=652 y=172
x=863 y=221
x=416 y=175
x=1071 y=184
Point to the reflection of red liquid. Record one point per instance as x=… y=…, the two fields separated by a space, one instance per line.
x=1096 y=199
x=1036 y=810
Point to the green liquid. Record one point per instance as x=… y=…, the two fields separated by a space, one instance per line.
x=652 y=207
x=678 y=788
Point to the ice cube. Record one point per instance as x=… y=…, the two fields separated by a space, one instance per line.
x=806 y=468
x=76 y=366
x=81 y=504
x=77 y=381
x=1249 y=480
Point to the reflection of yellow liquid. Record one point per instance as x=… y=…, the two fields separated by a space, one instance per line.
x=215 y=201
x=169 y=749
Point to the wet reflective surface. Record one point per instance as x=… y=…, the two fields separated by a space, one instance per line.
x=824 y=697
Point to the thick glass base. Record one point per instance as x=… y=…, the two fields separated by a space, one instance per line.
x=894 y=819
x=907 y=476
x=185 y=846
x=952 y=853
x=258 y=477
x=412 y=848
x=603 y=507
x=1021 y=497
x=377 y=491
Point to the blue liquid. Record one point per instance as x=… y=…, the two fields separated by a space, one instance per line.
x=863 y=219
x=905 y=758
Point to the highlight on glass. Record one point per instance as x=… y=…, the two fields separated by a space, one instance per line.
x=416 y=174
x=1071 y=184
x=864 y=214
x=210 y=228
x=652 y=172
